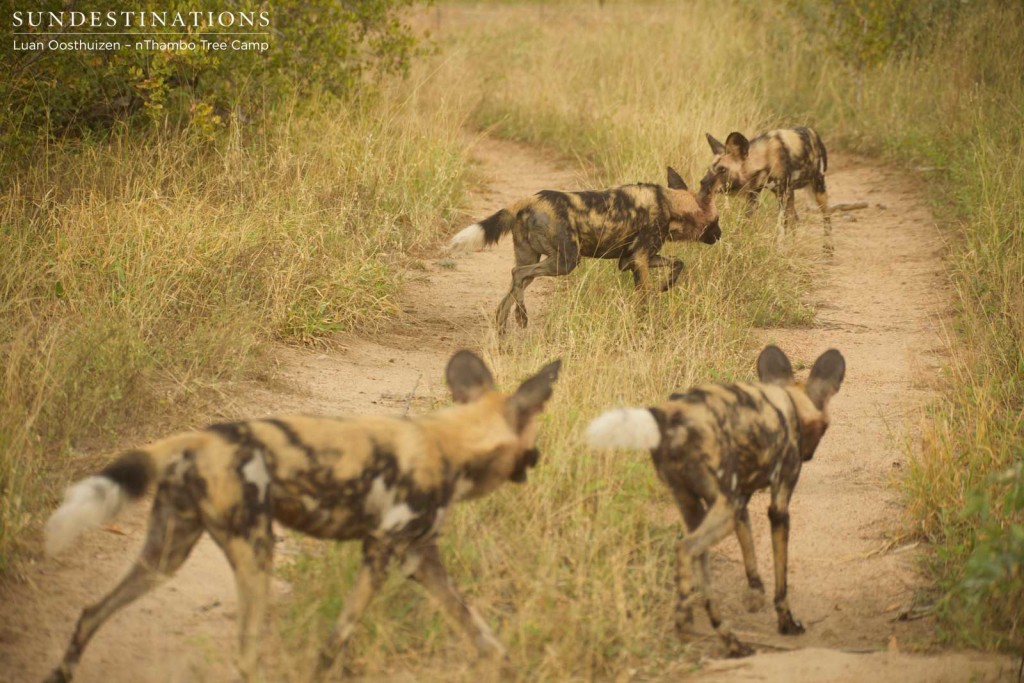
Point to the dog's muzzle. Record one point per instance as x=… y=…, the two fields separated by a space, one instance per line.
x=529 y=459
x=712 y=233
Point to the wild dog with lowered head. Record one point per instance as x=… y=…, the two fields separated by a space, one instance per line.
x=783 y=160
x=714 y=446
x=628 y=223
x=382 y=480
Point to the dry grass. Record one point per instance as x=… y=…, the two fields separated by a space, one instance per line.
x=168 y=261
x=575 y=569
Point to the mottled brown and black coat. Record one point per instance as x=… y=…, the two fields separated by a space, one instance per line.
x=783 y=161
x=629 y=224
x=714 y=446
x=384 y=481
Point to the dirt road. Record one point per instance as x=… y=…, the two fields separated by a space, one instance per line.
x=851 y=573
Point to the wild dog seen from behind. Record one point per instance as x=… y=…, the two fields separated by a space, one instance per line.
x=628 y=223
x=714 y=446
x=783 y=161
x=384 y=481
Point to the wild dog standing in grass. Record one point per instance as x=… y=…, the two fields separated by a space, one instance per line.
x=784 y=160
x=628 y=223
x=381 y=480
x=714 y=446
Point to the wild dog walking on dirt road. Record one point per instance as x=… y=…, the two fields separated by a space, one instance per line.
x=628 y=223
x=384 y=481
x=783 y=160
x=714 y=446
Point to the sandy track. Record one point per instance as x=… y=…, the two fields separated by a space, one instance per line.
x=852 y=568
x=850 y=572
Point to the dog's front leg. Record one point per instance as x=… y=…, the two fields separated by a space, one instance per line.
x=423 y=564
x=368 y=581
x=659 y=261
x=778 y=514
x=755 y=595
x=641 y=267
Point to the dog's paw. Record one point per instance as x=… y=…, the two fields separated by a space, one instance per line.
x=788 y=626
x=754 y=599
x=59 y=675
x=735 y=649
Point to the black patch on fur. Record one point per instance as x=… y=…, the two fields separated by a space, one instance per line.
x=293 y=438
x=232 y=432
x=743 y=399
x=778 y=518
x=131 y=472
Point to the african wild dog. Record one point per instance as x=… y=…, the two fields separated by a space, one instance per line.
x=714 y=446
x=382 y=480
x=784 y=160
x=628 y=223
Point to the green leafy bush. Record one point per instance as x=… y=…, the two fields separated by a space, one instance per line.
x=318 y=45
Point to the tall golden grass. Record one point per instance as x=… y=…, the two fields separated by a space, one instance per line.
x=168 y=260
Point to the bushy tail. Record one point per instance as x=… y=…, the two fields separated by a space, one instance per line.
x=486 y=232
x=624 y=428
x=97 y=499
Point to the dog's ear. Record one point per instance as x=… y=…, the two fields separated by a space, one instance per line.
x=532 y=394
x=716 y=146
x=826 y=378
x=468 y=377
x=675 y=181
x=773 y=367
x=737 y=145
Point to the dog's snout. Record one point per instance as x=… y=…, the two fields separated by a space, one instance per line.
x=529 y=459
x=712 y=233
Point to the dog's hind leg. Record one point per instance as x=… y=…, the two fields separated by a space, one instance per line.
x=718 y=523
x=525 y=256
x=561 y=262
x=369 y=579
x=429 y=572
x=693 y=514
x=755 y=595
x=817 y=188
x=172 y=535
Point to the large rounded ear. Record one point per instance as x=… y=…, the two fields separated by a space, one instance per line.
x=773 y=367
x=468 y=377
x=737 y=145
x=826 y=377
x=675 y=181
x=532 y=394
x=716 y=146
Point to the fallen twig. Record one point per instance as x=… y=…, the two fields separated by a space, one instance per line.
x=849 y=206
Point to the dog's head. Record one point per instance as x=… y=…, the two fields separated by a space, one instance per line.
x=692 y=217
x=810 y=398
x=498 y=432
x=729 y=168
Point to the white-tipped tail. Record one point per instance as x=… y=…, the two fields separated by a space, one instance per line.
x=468 y=239
x=87 y=504
x=624 y=428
